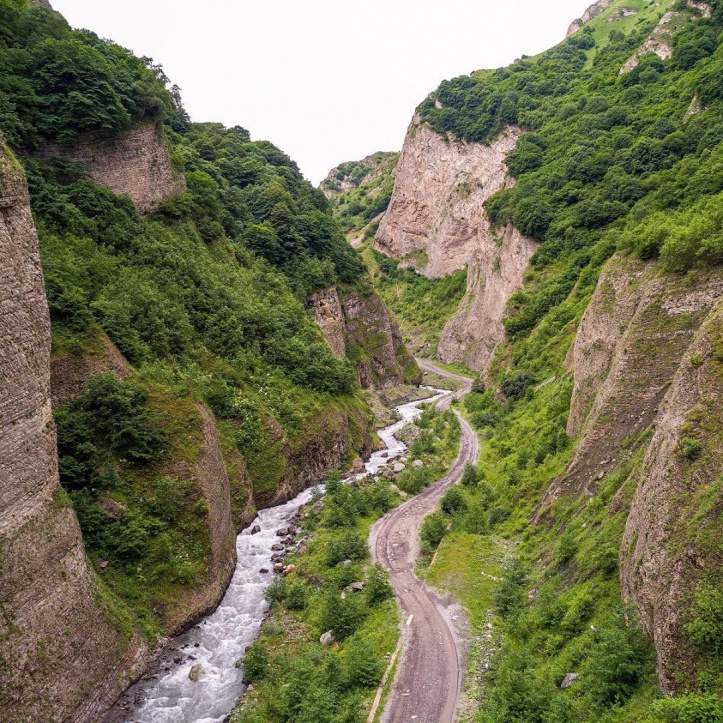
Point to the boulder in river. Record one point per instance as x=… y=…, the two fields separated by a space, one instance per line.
x=282 y=532
x=357 y=466
x=196 y=673
x=256 y=529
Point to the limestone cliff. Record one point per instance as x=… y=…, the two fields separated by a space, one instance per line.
x=136 y=164
x=436 y=219
x=496 y=271
x=362 y=328
x=646 y=363
x=437 y=223
x=65 y=651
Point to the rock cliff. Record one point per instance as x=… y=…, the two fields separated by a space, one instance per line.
x=663 y=554
x=496 y=271
x=362 y=328
x=630 y=344
x=647 y=376
x=326 y=309
x=65 y=650
x=436 y=219
x=437 y=223
x=136 y=164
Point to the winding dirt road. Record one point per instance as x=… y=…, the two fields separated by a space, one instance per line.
x=429 y=677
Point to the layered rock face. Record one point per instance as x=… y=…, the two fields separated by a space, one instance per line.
x=436 y=219
x=64 y=656
x=437 y=223
x=137 y=164
x=496 y=271
x=362 y=328
x=647 y=357
x=329 y=317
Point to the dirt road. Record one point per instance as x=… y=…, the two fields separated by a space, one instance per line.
x=429 y=677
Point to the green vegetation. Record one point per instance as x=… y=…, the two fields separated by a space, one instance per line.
x=204 y=297
x=295 y=677
x=423 y=305
x=56 y=83
x=610 y=161
x=360 y=191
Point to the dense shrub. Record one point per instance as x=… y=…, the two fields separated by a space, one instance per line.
x=434 y=528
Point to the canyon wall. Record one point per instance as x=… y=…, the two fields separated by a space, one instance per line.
x=136 y=164
x=437 y=223
x=66 y=650
x=496 y=271
x=647 y=377
x=361 y=327
x=436 y=219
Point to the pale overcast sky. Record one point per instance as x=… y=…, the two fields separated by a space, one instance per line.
x=325 y=80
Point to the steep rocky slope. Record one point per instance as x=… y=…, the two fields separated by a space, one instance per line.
x=436 y=220
x=136 y=164
x=496 y=271
x=437 y=223
x=359 y=326
x=66 y=650
x=647 y=381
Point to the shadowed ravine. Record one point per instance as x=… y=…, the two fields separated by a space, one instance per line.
x=429 y=677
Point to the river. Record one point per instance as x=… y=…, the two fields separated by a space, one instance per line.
x=221 y=638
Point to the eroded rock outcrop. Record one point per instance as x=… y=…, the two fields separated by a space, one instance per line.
x=361 y=327
x=593 y=11
x=496 y=271
x=436 y=219
x=629 y=346
x=65 y=651
x=660 y=41
x=663 y=555
x=329 y=317
x=136 y=164
x=648 y=383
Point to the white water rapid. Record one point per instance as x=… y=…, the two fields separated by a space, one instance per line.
x=221 y=638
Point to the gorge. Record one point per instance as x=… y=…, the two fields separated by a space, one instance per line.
x=193 y=338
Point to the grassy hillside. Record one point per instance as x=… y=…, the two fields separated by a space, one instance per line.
x=359 y=192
